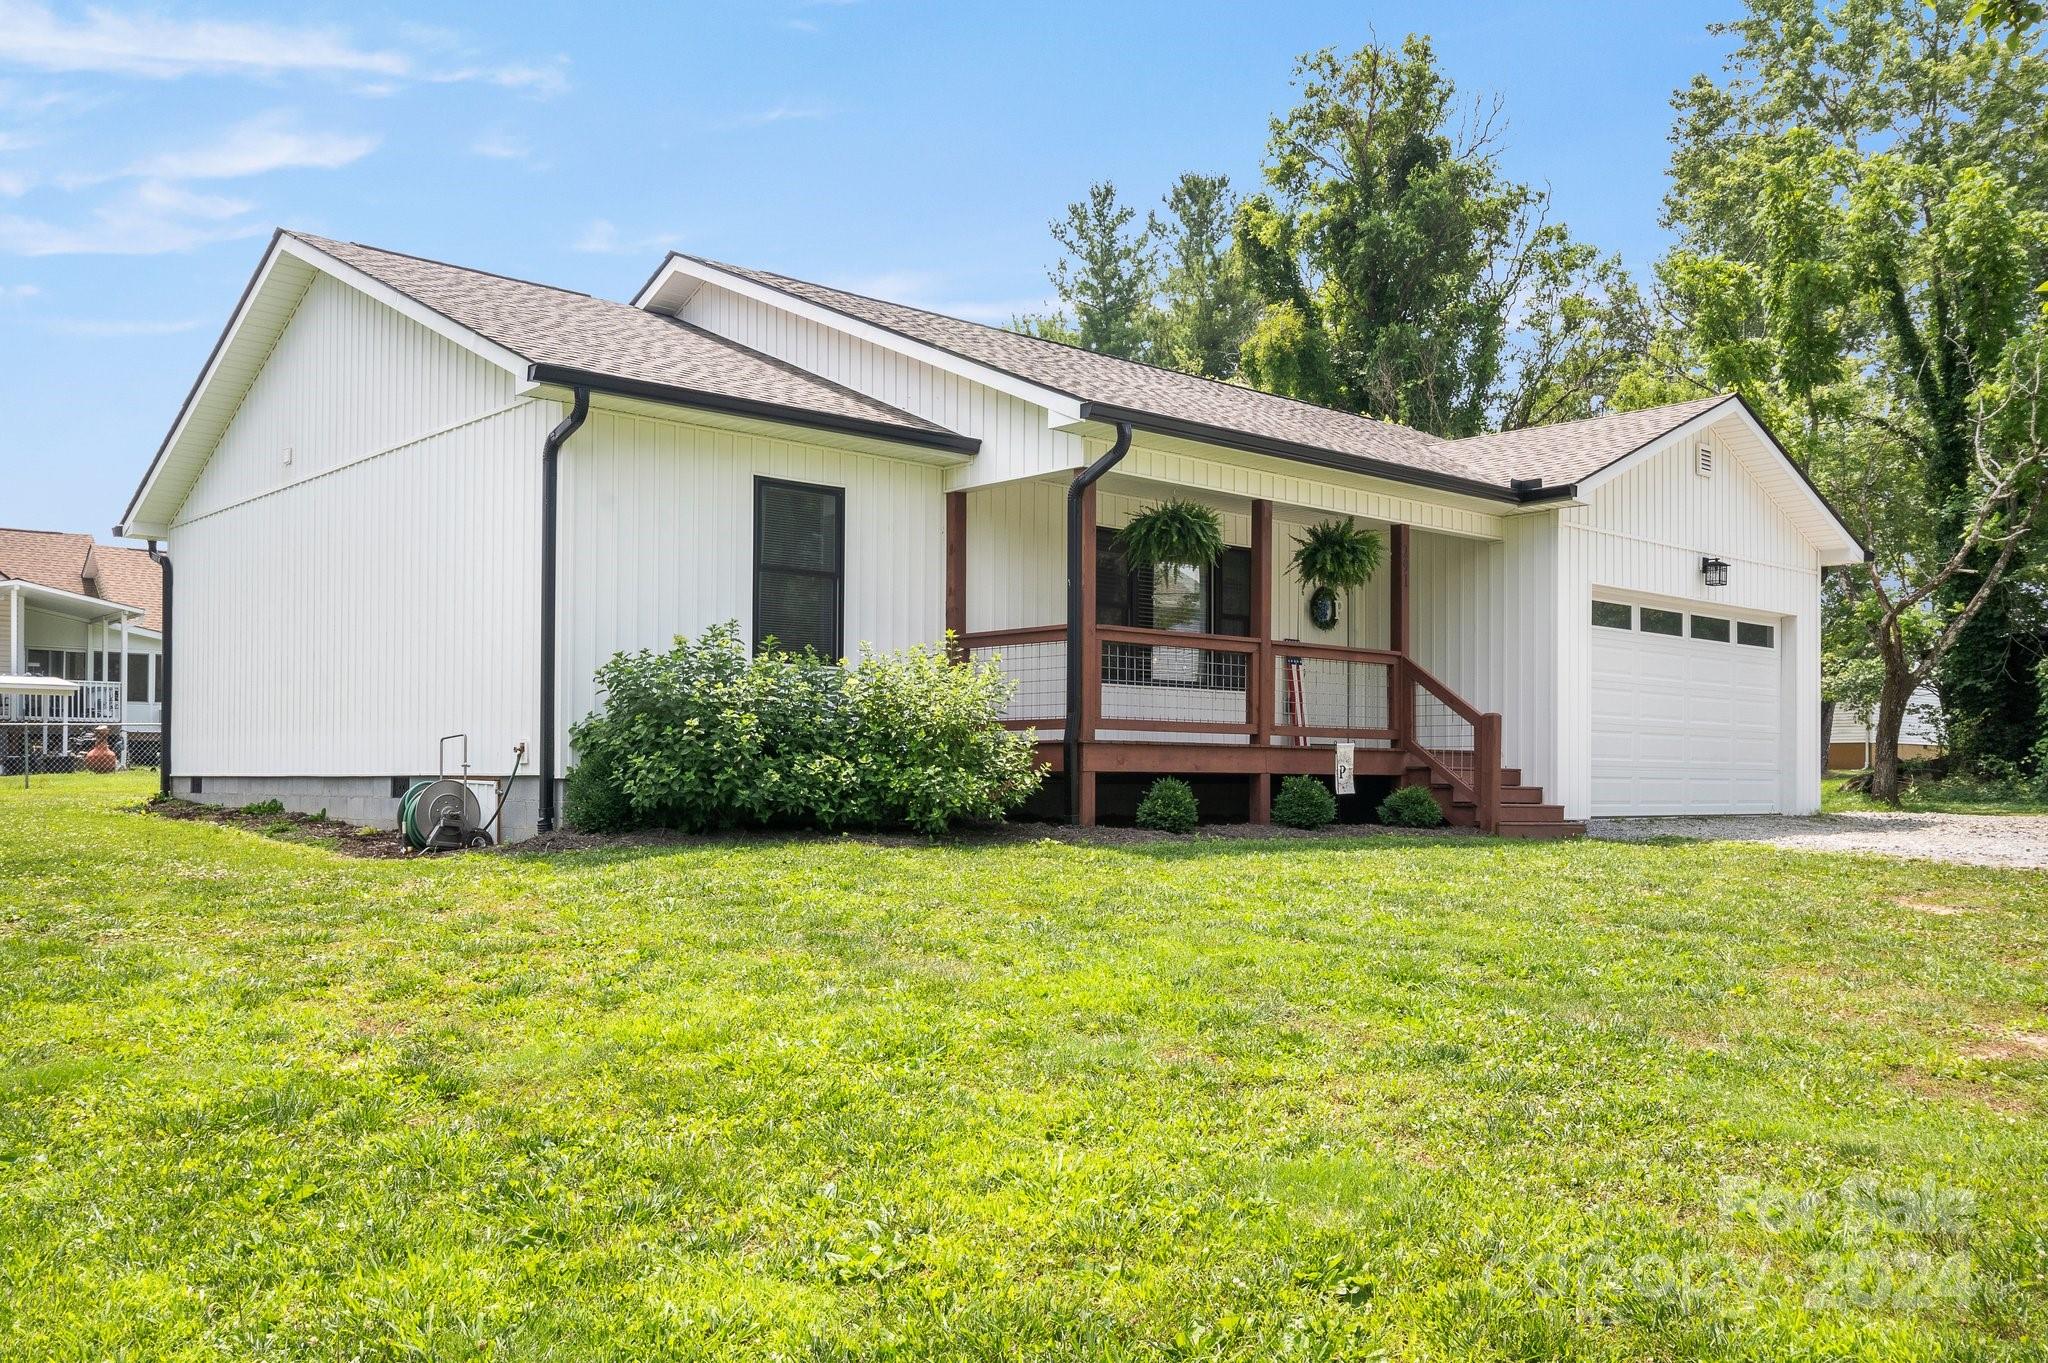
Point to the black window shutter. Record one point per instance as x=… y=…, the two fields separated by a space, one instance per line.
x=799 y=566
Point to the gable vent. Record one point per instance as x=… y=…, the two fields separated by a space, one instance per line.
x=1703 y=461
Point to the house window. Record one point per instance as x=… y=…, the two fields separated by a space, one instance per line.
x=1710 y=627
x=138 y=676
x=1612 y=615
x=55 y=662
x=1663 y=622
x=799 y=566
x=1215 y=599
x=1756 y=636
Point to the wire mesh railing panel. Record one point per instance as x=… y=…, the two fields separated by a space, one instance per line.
x=1039 y=671
x=1331 y=694
x=1173 y=684
x=1443 y=733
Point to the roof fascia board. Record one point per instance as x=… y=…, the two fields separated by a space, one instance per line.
x=1359 y=465
x=221 y=345
x=1810 y=494
x=1064 y=408
x=101 y=606
x=557 y=376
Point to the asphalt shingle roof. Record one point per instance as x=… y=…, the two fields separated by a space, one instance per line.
x=1570 y=450
x=56 y=558
x=559 y=327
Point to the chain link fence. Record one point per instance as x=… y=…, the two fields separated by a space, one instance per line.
x=38 y=748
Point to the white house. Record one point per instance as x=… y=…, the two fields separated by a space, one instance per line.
x=406 y=499
x=1852 y=738
x=80 y=639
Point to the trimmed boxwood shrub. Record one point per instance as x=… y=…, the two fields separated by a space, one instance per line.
x=1304 y=802
x=704 y=736
x=1411 y=807
x=1169 y=806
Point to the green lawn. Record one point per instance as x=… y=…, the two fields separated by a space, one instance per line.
x=1929 y=799
x=1445 y=1099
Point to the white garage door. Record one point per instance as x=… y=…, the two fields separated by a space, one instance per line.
x=1685 y=712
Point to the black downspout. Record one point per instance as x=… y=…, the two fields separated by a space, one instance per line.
x=1077 y=609
x=550 y=483
x=163 y=682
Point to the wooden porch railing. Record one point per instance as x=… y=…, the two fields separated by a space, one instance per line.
x=1243 y=689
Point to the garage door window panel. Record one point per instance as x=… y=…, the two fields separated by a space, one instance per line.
x=1710 y=627
x=1756 y=636
x=1663 y=622
x=1613 y=615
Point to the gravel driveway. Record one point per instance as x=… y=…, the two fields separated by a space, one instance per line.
x=1966 y=839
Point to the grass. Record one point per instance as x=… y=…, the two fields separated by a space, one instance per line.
x=1402 y=1098
x=1951 y=797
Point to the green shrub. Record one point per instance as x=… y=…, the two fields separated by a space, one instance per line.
x=264 y=807
x=1169 y=806
x=705 y=737
x=1411 y=807
x=1304 y=802
x=592 y=801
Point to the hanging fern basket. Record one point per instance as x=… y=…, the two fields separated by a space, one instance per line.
x=1332 y=557
x=1177 y=534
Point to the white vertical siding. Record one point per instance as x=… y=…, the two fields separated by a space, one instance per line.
x=1455 y=598
x=348 y=378
x=1017 y=440
x=339 y=626
x=1532 y=624
x=657 y=540
x=1644 y=534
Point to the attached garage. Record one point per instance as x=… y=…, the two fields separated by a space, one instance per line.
x=1688 y=711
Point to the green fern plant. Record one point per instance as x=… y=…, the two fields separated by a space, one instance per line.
x=1338 y=555
x=1178 y=534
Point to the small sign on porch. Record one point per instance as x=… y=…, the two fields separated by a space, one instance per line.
x=1345 y=784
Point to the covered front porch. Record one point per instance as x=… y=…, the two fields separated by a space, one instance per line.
x=1221 y=672
x=69 y=665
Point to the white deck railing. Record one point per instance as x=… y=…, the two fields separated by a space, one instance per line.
x=92 y=703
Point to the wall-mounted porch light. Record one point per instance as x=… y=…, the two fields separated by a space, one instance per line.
x=1714 y=571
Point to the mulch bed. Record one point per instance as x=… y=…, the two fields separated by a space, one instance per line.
x=351 y=840
x=977 y=835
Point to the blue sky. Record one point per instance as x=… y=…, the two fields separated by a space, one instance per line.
x=910 y=150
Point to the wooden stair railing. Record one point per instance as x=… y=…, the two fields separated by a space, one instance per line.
x=1481 y=785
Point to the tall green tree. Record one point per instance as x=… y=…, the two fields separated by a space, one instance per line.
x=1107 y=278
x=1206 y=307
x=1860 y=202
x=1392 y=252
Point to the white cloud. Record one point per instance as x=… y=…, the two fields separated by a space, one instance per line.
x=780 y=113
x=601 y=237
x=14 y=184
x=160 y=48
x=82 y=326
x=15 y=293
x=501 y=146
x=148 y=45
x=265 y=143
x=150 y=218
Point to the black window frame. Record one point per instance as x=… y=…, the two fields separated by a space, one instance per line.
x=1219 y=671
x=1660 y=614
x=837 y=575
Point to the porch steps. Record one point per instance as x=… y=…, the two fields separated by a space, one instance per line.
x=1523 y=811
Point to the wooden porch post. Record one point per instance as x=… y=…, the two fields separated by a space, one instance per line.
x=1090 y=662
x=121 y=695
x=1398 y=636
x=1486 y=771
x=1258 y=689
x=956 y=567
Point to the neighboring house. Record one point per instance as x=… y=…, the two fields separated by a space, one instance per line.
x=406 y=499
x=1852 y=738
x=81 y=634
